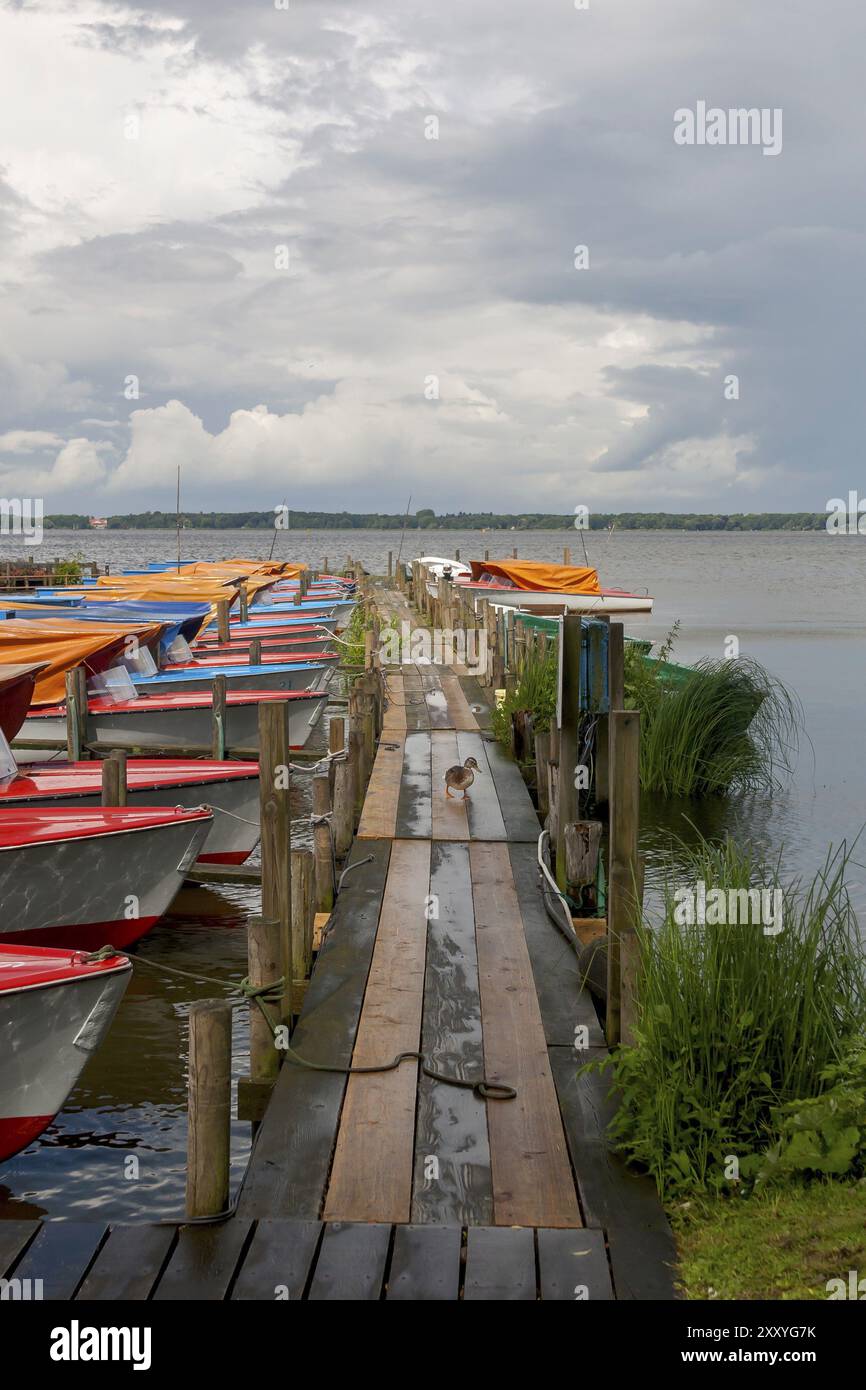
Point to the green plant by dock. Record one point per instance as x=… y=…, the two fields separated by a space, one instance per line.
x=535 y=691
x=739 y=1030
x=714 y=728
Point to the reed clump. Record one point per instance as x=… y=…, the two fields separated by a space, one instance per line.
x=727 y=726
x=736 y=1022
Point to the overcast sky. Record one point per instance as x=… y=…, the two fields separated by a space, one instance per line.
x=238 y=209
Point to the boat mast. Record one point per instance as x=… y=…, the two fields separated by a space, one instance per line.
x=178 y=517
x=403 y=528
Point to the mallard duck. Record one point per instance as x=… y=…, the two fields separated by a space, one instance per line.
x=461 y=777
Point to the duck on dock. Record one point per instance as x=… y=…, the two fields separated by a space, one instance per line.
x=461 y=777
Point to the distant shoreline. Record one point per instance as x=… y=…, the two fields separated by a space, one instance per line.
x=461 y=521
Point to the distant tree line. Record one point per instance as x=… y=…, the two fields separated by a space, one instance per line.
x=427 y=520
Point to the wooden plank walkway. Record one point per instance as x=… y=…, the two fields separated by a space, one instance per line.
x=464 y=964
x=396 y=1184
x=276 y=1260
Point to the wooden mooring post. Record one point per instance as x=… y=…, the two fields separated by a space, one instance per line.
x=276 y=844
x=624 y=879
x=223 y=629
x=209 y=1107
x=303 y=912
x=322 y=845
x=568 y=738
x=218 y=717
x=263 y=968
x=76 y=714
x=114 y=779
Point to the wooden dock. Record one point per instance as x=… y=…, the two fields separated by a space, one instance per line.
x=394 y=1184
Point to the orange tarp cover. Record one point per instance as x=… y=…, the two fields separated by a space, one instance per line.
x=63 y=645
x=536 y=576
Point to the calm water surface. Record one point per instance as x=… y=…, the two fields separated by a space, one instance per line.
x=796 y=603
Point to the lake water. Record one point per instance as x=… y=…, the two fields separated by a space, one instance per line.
x=794 y=601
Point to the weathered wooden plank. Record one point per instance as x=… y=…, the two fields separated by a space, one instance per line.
x=623 y=1203
x=60 y=1256
x=567 y=1010
x=477 y=700
x=129 y=1263
x=379 y=816
x=414 y=815
x=500 y=1265
x=482 y=802
x=417 y=713
x=371 y=1176
x=204 y=1261
x=394 y=718
x=572 y=1266
x=452 y=1154
x=278 y=1262
x=515 y=803
x=351 y=1263
x=15 y=1236
x=425 y=1264
x=532 y=1180
x=449 y=812
x=459 y=714
x=289 y=1166
x=435 y=697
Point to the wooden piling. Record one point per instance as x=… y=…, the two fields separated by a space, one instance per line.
x=218 y=718
x=275 y=802
x=223 y=629
x=622 y=897
x=542 y=758
x=243 y=603
x=113 y=782
x=263 y=968
x=568 y=737
x=76 y=714
x=390 y=563
x=322 y=846
x=209 y=1107
x=303 y=911
x=616 y=700
x=255 y=651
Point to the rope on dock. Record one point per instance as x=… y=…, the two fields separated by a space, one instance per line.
x=272 y=993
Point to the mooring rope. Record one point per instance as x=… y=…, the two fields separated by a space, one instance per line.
x=272 y=993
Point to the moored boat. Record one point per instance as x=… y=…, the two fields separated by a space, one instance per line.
x=55 y=1009
x=533 y=585
x=89 y=878
x=168 y=721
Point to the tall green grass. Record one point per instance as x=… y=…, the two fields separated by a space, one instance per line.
x=730 y=727
x=732 y=1022
x=535 y=691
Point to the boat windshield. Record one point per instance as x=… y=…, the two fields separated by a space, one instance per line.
x=114 y=685
x=177 y=653
x=8 y=765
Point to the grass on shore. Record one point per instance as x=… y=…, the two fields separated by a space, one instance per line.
x=780 y=1244
x=733 y=1023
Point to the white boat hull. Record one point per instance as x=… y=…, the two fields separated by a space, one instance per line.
x=235 y=831
x=590 y=604
x=49 y=1032
x=156 y=729
x=96 y=890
